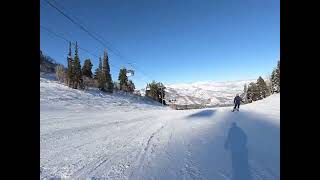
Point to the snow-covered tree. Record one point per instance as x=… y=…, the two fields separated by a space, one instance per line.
x=278 y=77
x=275 y=79
x=47 y=64
x=269 y=85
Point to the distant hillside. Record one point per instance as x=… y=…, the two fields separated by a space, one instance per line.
x=47 y=64
x=205 y=93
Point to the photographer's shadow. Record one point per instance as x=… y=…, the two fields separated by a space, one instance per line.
x=236 y=143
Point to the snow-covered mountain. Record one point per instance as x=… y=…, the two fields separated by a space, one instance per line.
x=205 y=93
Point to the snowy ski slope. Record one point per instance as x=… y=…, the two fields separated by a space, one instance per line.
x=89 y=135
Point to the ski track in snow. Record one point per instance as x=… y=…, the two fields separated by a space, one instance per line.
x=141 y=140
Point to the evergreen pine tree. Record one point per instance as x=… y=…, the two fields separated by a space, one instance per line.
x=108 y=87
x=152 y=90
x=272 y=80
x=252 y=92
x=70 y=68
x=77 y=70
x=96 y=73
x=86 y=69
x=156 y=91
x=99 y=75
x=275 y=79
x=262 y=88
x=123 y=79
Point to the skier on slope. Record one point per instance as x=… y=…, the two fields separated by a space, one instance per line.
x=236 y=102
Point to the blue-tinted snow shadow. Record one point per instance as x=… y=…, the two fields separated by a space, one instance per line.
x=249 y=134
x=236 y=143
x=255 y=138
x=202 y=114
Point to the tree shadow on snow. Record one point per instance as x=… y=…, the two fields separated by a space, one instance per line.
x=202 y=114
x=236 y=143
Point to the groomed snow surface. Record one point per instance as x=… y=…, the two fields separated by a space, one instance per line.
x=89 y=135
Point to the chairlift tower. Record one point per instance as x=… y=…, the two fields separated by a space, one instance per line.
x=130 y=72
x=162 y=90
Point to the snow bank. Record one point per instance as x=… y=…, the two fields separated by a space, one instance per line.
x=54 y=95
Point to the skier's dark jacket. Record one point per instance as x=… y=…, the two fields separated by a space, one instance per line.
x=237 y=100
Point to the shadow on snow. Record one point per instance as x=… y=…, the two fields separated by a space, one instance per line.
x=202 y=114
x=249 y=140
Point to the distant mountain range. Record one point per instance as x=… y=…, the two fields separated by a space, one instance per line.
x=205 y=93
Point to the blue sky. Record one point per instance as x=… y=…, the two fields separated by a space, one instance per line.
x=172 y=41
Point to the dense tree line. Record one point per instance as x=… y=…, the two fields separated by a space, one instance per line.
x=78 y=77
x=258 y=90
x=261 y=89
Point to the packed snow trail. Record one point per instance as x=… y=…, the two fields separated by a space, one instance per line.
x=144 y=141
